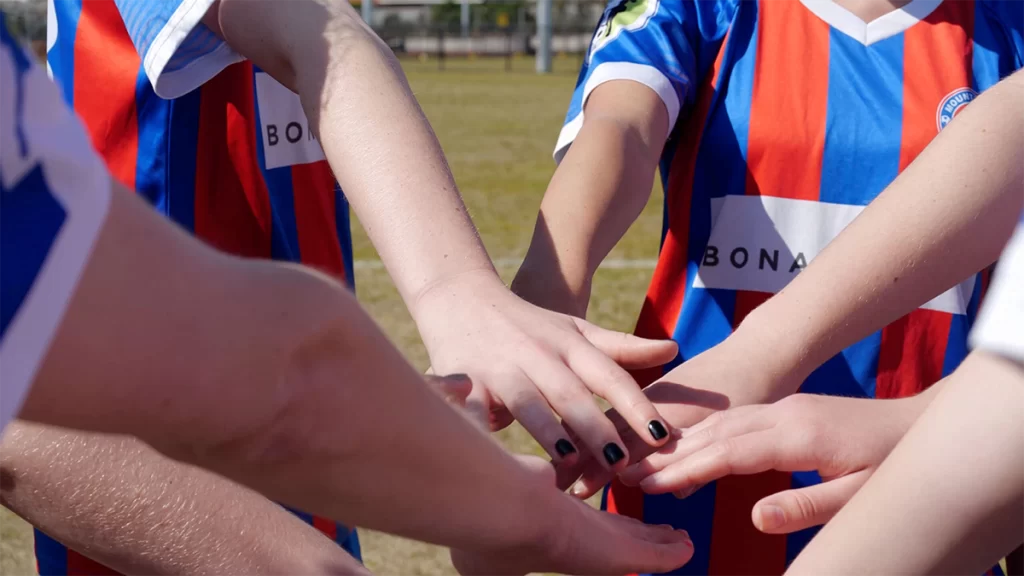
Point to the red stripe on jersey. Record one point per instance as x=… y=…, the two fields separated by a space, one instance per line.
x=735 y=496
x=232 y=207
x=913 y=349
x=104 y=88
x=937 y=60
x=313 y=193
x=327 y=527
x=912 y=353
x=788 y=102
x=79 y=565
x=664 y=300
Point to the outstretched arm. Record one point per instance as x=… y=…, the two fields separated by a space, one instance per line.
x=119 y=502
x=533 y=362
x=948 y=499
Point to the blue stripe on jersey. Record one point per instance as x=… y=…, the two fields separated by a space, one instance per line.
x=30 y=219
x=667 y=509
x=51 y=556
x=959 y=330
x=341 y=222
x=284 y=237
x=181 y=155
x=62 y=56
x=796 y=541
x=985 y=59
x=152 y=115
x=859 y=119
x=21 y=65
x=862 y=126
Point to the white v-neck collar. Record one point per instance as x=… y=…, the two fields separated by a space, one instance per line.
x=880 y=28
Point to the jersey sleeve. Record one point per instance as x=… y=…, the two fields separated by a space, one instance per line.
x=54 y=197
x=666 y=45
x=1000 y=325
x=179 y=53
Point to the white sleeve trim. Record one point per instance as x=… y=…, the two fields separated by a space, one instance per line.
x=1000 y=325
x=77 y=177
x=605 y=72
x=177 y=83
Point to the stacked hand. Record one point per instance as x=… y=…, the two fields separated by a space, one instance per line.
x=573 y=538
x=534 y=366
x=843 y=439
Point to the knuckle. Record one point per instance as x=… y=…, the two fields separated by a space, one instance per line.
x=804 y=506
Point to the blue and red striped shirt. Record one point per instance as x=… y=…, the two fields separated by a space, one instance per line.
x=212 y=142
x=787 y=118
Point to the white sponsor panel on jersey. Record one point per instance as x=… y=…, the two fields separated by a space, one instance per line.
x=287 y=139
x=761 y=243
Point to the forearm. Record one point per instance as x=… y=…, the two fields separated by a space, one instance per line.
x=944 y=218
x=273 y=376
x=597 y=192
x=117 y=501
x=959 y=474
x=376 y=139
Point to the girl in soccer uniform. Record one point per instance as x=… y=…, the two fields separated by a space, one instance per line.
x=773 y=124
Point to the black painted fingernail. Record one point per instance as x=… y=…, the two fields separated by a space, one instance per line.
x=612 y=453
x=564 y=448
x=657 y=429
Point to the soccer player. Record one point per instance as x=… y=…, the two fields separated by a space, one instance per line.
x=774 y=125
x=971 y=425
x=215 y=112
x=257 y=371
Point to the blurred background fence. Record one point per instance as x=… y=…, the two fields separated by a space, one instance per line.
x=437 y=31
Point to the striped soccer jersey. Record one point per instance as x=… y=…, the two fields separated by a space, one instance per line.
x=787 y=118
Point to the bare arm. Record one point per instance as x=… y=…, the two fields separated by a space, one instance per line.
x=259 y=372
x=521 y=357
x=116 y=500
x=948 y=499
x=597 y=192
x=947 y=216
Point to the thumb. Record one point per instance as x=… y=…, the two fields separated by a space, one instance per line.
x=630 y=352
x=794 y=510
x=454 y=388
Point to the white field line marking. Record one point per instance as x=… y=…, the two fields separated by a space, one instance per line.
x=609 y=264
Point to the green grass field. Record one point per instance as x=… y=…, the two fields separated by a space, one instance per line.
x=498 y=129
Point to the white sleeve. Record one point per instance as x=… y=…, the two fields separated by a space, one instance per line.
x=1000 y=326
x=54 y=197
x=179 y=53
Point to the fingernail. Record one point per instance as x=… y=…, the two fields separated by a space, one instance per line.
x=564 y=447
x=657 y=430
x=612 y=453
x=686 y=492
x=772 y=517
x=578 y=490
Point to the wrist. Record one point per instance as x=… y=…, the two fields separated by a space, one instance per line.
x=780 y=354
x=479 y=279
x=552 y=288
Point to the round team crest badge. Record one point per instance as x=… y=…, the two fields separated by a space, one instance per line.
x=953 y=104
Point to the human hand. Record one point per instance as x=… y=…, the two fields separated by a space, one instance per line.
x=741 y=370
x=844 y=439
x=574 y=538
x=530 y=364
